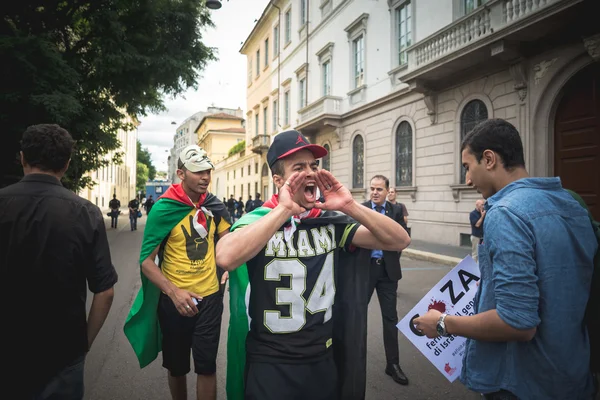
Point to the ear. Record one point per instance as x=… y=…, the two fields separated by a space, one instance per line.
x=181 y=174
x=490 y=159
x=278 y=181
x=23 y=162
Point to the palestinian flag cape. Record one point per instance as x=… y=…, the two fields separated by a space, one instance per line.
x=349 y=315
x=141 y=326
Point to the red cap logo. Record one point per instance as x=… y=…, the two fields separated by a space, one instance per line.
x=300 y=140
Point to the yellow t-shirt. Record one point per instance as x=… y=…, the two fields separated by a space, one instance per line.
x=189 y=260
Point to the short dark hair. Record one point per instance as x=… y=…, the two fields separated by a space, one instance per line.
x=278 y=168
x=47 y=147
x=180 y=165
x=499 y=136
x=383 y=178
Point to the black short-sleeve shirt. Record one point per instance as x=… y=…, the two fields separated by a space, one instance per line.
x=52 y=243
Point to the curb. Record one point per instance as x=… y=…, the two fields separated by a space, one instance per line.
x=432 y=257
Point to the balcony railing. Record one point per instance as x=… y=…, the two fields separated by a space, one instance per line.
x=260 y=143
x=491 y=18
x=326 y=105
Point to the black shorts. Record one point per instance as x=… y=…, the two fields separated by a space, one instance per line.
x=199 y=333
x=274 y=381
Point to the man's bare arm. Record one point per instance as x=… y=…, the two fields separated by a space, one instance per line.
x=98 y=312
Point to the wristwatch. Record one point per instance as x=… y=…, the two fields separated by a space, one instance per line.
x=441 y=326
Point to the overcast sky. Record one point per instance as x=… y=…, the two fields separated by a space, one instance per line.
x=223 y=82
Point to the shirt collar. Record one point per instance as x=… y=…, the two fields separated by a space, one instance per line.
x=373 y=205
x=552 y=183
x=44 y=178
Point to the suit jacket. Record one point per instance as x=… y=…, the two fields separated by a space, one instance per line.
x=391 y=258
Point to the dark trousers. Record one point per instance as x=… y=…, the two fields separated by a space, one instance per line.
x=386 y=293
x=500 y=395
x=133 y=221
x=67 y=384
x=113 y=219
x=309 y=381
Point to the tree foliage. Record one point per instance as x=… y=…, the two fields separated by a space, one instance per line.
x=141 y=177
x=88 y=64
x=237 y=148
x=144 y=157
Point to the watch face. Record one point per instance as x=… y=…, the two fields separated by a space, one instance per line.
x=440 y=329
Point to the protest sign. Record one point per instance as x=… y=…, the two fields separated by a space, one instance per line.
x=453 y=295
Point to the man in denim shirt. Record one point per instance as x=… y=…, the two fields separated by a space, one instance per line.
x=527 y=337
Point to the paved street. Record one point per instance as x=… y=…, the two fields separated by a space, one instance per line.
x=112 y=371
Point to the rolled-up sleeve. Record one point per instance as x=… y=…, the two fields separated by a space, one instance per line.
x=100 y=272
x=511 y=246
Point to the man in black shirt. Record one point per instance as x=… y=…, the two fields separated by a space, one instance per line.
x=115 y=210
x=51 y=243
x=134 y=208
x=148 y=205
x=292 y=271
x=249 y=205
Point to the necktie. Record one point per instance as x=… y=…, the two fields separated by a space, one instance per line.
x=378 y=209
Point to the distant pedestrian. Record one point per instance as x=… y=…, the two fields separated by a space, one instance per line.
x=391 y=197
x=231 y=206
x=134 y=213
x=53 y=248
x=149 y=204
x=115 y=210
x=257 y=202
x=240 y=208
x=249 y=205
x=476 y=218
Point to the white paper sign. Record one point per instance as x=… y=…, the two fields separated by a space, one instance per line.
x=452 y=295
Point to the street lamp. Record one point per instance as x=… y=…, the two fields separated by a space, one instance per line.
x=213 y=4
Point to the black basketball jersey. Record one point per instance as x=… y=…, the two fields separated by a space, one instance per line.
x=292 y=289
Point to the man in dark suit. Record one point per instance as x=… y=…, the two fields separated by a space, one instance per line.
x=384 y=275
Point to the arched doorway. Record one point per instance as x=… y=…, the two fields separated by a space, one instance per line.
x=577 y=137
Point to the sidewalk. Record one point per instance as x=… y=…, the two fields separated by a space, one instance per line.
x=436 y=253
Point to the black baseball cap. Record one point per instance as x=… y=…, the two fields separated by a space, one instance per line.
x=289 y=142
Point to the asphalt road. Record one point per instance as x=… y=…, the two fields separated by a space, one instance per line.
x=112 y=371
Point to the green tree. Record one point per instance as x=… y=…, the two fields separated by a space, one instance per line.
x=141 y=177
x=87 y=65
x=144 y=156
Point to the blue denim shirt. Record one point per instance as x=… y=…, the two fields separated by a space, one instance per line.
x=536 y=265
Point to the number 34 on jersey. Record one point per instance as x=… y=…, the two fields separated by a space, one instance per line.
x=319 y=300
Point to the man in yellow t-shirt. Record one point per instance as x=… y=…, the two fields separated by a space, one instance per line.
x=191 y=303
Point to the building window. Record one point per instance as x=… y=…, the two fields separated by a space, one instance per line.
x=471 y=5
x=256 y=125
x=242 y=172
x=249 y=190
x=249 y=170
x=265 y=171
x=404 y=157
x=404 y=31
x=301 y=92
x=358 y=162
x=358 y=55
x=288 y=26
x=234 y=178
x=286 y=108
x=275 y=112
x=326 y=68
x=474 y=112
x=227 y=175
x=257 y=63
x=266 y=52
x=276 y=41
x=255 y=189
x=302 y=12
x=242 y=192
x=256 y=168
x=325 y=161
x=265 y=119
x=249 y=70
